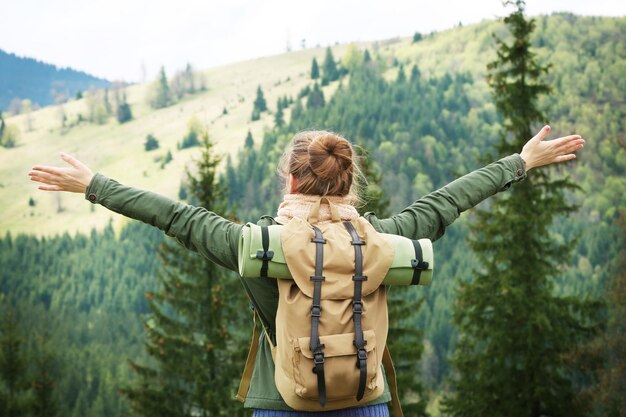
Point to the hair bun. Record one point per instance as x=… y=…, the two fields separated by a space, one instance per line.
x=330 y=156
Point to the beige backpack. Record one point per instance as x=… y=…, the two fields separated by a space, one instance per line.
x=331 y=324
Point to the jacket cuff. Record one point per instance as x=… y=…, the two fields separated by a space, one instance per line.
x=517 y=170
x=95 y=189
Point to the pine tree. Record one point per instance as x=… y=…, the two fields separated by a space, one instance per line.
x=315 y=70
x=514 y=332
x=279 y=117
x=193 y=327
x=14 y=384
x=315 y=99
x=401 y=75
x=162 y=96
x=610 y=393
x=2 y=126
x=415 y=74
x=404 y=340
x=123 y=112
x=43 y=384
x=329 y=68
x=260 y=104
x=366 y=57
x=249 y=143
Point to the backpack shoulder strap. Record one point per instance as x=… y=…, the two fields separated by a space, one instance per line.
x=396 y=407
x=246 y=377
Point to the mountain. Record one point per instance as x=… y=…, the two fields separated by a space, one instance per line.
x=85 y=269
x=41 y=83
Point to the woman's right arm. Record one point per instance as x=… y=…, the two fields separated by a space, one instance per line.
x=196 y=228
x=429 y=216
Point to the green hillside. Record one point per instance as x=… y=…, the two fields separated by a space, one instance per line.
x=117 y=149
x=423 y=127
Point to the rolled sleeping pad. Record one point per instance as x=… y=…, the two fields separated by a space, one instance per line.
x=406 y=268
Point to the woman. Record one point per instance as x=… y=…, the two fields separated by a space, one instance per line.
x=318 y=164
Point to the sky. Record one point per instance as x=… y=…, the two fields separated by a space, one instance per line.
x=131 y=39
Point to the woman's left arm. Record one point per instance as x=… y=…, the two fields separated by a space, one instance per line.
x=196 y=228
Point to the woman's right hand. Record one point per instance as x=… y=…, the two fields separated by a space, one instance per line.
x=74 y=178
x=538 y=152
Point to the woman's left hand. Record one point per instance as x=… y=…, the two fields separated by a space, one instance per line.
x=538 y=152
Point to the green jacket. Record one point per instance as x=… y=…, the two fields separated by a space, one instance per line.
x=217 y=239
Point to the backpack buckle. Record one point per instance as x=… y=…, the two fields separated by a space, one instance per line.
x=361 y=355
x=265 y=255
x=318 y=358
x=357 y=307
x=316 y=311
x=418 y=264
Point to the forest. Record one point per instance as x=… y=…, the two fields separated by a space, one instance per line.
x=76 y=309
x=43 y=84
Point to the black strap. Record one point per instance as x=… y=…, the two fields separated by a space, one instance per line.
x=357 y=309
x=317 y=348
x=418 y=264
x=265 y=254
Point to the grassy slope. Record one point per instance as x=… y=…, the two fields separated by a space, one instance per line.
x=117 y=150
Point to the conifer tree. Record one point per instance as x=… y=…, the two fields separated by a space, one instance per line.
x=401 y=75
x=279 y=117
x=315 y=99
x=162 y=96
x=43 y=384
x=610 y=393
x=329 y=68
x=192 y=329
x=2 y=126
x=260 y=104
x=513 y=331
x=249 y=143
x=14 y=384
x=366 y=57
x=315 y=70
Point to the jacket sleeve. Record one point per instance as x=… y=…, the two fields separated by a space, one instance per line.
x=195 y=228
x=429 y=216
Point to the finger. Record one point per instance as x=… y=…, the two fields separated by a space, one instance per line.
x=563 y=158
x=47 y=169
x=542 y=134
x=72 y=161
x=50 y=188
x=43 y=177
x=568 y=143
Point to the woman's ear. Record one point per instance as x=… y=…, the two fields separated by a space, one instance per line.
x=292 y=184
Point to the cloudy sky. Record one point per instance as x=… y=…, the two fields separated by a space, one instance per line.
x=115 y=39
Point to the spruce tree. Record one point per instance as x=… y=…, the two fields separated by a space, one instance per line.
x=260 y=105
x=44 y=404
x=329 y=68
x=249 y=143
x=315 y=100
x=162 y=96
x=2 y=126
x=610 y=393
x=14 y=383
x=514 y=333
x=279 y=117
x=194 y=326
x=315 y=70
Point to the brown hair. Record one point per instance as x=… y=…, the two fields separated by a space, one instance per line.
x=323 y=163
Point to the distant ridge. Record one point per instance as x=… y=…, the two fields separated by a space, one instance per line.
x=28 y=78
